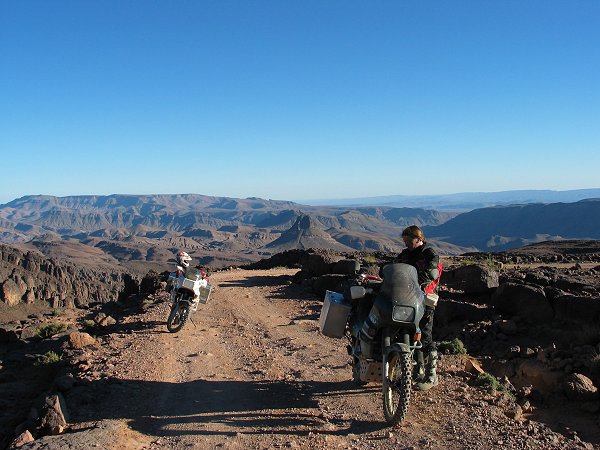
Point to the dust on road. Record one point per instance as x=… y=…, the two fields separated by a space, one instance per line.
x=253 y=372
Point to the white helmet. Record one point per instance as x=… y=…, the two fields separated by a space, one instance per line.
x=183 y=259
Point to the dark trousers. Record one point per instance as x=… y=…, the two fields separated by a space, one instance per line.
x=426 y=325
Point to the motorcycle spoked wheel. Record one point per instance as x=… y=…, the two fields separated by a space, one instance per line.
x=397 y=379
x=178 y=317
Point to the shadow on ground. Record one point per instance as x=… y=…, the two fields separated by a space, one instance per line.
x=254 y=407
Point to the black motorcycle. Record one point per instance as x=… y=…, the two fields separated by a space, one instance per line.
x=383 y=330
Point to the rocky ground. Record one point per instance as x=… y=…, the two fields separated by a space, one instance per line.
x=253 y=372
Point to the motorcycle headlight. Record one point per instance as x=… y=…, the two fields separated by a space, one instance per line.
x=403 y=314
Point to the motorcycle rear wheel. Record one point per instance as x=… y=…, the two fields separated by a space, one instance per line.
x=397 y=378
x=178 y=317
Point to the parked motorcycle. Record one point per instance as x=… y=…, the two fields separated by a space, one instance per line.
x=189 y=288
x=380 y=317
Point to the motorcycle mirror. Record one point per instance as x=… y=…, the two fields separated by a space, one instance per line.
x=357 y=292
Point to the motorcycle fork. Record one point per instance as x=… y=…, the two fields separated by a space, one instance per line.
x=386 y=339
x=190 y=310
x=386 y=344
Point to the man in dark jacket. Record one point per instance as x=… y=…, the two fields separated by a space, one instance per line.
x=427 y=262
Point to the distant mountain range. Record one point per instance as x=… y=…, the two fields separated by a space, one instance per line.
x=504 y=227
x=466 y=201
x=143 y=231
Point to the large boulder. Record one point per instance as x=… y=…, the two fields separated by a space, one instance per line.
x=346 y=267
x=54 y=416
x=24 y=438
x=104 y=434
x=450 y=311
x=471 y=279
x=11 y=293
x=524 y=300
x=579 y=310
x=578 y=387
x=318 y=264
x=331 y=282
x=79 y=340
x=536 y=373
x=9 y=333
x=572 y=285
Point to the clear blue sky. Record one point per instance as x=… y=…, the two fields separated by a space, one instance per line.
x=298 y=100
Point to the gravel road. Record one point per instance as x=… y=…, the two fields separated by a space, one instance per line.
x=253 y=372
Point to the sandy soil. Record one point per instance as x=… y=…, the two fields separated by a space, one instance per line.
x=253 y=372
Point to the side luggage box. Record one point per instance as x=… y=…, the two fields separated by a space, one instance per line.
x=334 y=315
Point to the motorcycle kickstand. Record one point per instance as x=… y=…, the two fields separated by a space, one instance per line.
x=192 y=320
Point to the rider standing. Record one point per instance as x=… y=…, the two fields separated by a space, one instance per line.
x=427 y=262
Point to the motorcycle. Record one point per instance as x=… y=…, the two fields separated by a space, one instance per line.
x=189 y=288
x=382 y=325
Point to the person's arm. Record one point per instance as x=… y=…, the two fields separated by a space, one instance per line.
x=430 y=270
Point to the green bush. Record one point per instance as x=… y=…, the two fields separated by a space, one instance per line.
x=370 y=259
x=491 y=383
x=455 y=347
x=489 y=262
x=50 y=329
x=488 y=381
x=48 y=358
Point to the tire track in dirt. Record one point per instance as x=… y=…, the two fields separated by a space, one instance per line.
x=254 y=373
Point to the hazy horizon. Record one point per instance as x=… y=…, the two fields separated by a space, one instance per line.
x=511 y=195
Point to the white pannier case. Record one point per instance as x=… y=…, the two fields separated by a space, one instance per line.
x=334 y=315
x=192 y=279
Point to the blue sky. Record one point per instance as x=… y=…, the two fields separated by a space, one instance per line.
x=298 y=100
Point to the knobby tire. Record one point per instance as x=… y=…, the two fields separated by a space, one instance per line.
x=178 y=317
x=397 y=379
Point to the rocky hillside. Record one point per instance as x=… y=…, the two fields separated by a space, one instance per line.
x=144 y=215
x=28 y=277
x=143 y=232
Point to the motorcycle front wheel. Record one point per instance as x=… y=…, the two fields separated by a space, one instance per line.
x=178 y=316
x=397 y=378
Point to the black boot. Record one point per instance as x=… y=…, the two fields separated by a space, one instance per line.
x=431 y=378
x=419 y=369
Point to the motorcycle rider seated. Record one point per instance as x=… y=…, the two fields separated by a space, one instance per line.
x=427 y=262
x=183 y=263
x=399 y=282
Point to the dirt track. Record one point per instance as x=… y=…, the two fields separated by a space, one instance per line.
x=254 y=373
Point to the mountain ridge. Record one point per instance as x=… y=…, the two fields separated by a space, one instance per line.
x=465 y=201
x=146 y=230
